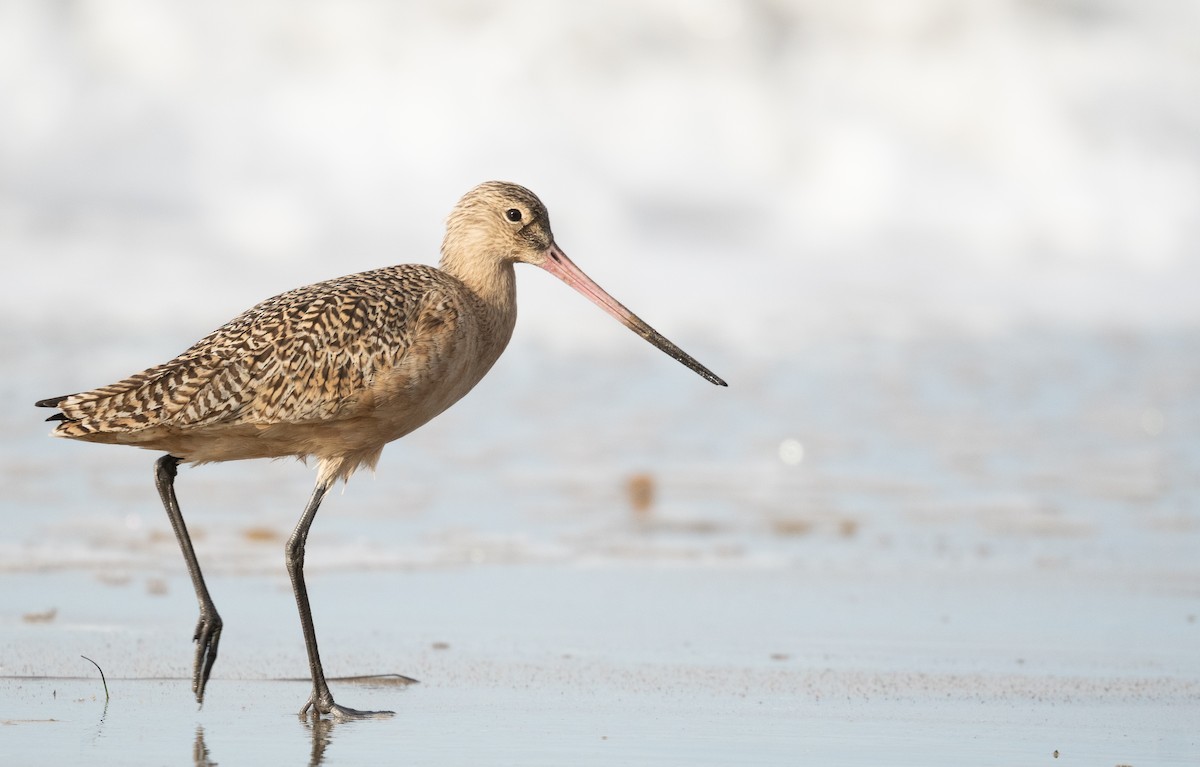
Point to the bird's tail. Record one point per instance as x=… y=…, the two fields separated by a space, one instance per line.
x=53 y=402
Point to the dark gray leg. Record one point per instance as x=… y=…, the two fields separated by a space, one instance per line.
x=321 y=700
x=208 y=628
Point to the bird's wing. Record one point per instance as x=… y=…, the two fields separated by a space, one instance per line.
x=307 y=355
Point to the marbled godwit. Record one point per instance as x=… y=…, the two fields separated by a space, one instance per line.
x=335 y=371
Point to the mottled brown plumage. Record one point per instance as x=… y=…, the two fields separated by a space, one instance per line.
x=335 y=371
x=331 y=370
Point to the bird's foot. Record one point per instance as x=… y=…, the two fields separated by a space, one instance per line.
x=321 y=705
x=207 y=637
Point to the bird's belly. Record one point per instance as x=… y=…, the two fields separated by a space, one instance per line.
x=358 y=440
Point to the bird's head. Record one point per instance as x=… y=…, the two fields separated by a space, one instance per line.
x=498 y=224
x=499 y=221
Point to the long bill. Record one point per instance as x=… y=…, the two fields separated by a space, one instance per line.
x=563 y=268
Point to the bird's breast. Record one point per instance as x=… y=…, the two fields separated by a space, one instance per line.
x=449 y=352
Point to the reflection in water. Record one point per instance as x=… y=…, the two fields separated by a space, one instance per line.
x=321 y=728
x=322 y=733
x=100 y=724
x=200 y=750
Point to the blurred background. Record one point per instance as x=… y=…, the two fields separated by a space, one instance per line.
x=944 y=252
x=749 y=173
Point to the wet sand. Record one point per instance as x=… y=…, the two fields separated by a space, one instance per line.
x=629 y=664
x=905 y=553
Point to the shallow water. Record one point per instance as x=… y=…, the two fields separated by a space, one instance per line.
x=508 y=726
x=545 y=664
x=915 y=552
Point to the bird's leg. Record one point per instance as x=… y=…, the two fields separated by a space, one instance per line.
x=321 y=700
x=208 y=628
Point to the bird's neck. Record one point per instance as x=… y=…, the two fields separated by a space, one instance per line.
x=493 y=283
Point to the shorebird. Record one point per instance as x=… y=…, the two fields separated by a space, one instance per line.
x=334 y=371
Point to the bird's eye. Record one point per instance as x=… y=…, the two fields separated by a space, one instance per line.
x=513 y=214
